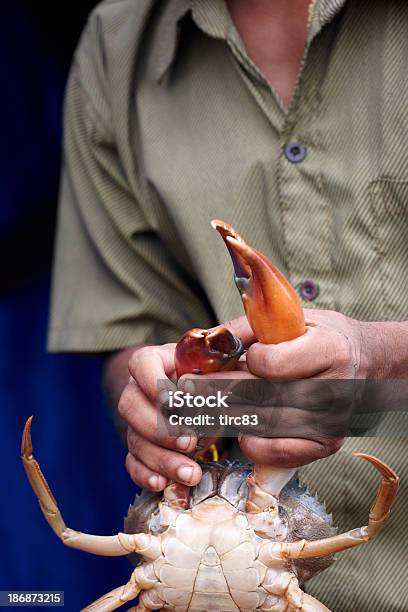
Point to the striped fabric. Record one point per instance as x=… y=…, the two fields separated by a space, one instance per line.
x=168 y=125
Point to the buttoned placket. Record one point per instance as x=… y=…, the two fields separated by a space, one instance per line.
x=306 y=215
x=306 y=212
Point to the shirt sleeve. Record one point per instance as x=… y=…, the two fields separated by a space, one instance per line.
x=115 y=283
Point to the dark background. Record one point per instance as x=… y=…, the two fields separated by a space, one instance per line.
x=73 y=435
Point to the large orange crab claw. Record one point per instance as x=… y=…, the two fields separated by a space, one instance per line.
x=271 y=304
x=201 y=351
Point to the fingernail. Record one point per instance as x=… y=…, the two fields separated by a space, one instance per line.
x=153 y=482
x=183 y=442
x=157 y=482
x=185 y=472
x=163 y=397
x=189 y=386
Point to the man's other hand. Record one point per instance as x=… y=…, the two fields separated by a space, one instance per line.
x=153 y=459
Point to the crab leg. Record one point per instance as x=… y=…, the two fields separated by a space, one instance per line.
x=141 y=581
x=111 y=601
x=310 y=604
x=378 y=516
x=264 y=485
x=117 y=545
x=142 y=608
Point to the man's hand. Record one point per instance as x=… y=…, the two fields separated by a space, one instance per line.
x=332 y=348
x=154 y=459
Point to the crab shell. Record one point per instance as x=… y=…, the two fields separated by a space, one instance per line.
x=211 y=549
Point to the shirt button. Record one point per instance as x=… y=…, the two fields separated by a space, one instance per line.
x=309 y=290
x=295 y=152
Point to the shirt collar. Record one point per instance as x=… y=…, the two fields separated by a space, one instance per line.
x=212 y=17
x=328 y=9
x=324 y=11
x=167 y=36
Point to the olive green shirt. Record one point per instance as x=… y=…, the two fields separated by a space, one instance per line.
x=169 y=124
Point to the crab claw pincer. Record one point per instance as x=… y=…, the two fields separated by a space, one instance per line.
x=201 y=351
x=271 y=304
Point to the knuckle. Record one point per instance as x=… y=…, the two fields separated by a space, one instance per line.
x=126 y=404
x=134 y=443
x=134 y=360
x=129 y=465
x=163 y=440
x=164 y=465
x=135 y=476
x=139 y=356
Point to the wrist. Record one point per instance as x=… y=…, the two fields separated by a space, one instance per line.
x=384 y=349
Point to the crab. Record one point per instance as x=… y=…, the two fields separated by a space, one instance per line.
x=246 y=537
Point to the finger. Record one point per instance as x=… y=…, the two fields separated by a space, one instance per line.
x=143 y=476
x=150 y=364
x=167 y=463
x=240 y=327
x=287 y=452
x=241 y=374
x=188 y=383
x=142 y=417
x=305 y=356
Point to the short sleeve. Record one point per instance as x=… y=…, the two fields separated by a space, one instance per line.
x=115 y=283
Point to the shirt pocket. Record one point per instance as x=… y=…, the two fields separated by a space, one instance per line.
x=389 y=208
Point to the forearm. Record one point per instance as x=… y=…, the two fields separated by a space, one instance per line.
x=384 y=351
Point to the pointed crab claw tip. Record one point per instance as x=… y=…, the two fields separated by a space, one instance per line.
x=238 y=245
x=215 y=223
x=218 y=225
x=382 y=467
x=26 y=444
x=238 y=249
x=225 y=229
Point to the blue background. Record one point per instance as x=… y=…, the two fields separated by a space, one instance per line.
x=74 y=438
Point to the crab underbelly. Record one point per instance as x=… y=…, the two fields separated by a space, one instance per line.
x=222 y=580
x=213 y=588
x=210 y=562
